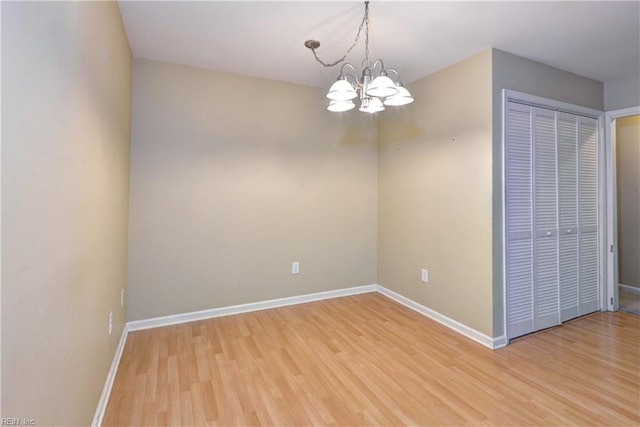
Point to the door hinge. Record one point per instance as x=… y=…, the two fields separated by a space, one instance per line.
x=611 y=301
x=611 y=249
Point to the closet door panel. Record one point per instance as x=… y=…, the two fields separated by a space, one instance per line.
x=588 y=214
x=546 y=297
x=568 y=214
x=519 y=217
x=568 y=277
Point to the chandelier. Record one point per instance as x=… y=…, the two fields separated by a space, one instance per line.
x=374 y=93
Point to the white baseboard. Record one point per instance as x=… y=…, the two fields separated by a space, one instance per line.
x=499 y=342
x=174 y=319
x=479 y=337
x=111 y=376
x=630 y=289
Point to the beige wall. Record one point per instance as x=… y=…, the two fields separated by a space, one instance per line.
x=628 y=183
x=233 y=178
x=66 y=97
x=523 y=75
x=435 y=194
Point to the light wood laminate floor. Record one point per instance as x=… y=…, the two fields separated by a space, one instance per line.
x=365 y=360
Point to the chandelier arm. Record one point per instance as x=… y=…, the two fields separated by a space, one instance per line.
x=354 y=75
x=382 y=69
x=365 y=20
x=394 y=71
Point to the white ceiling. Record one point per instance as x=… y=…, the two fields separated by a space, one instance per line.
x=600 y=39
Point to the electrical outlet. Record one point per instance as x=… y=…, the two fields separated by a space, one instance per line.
x=122 y=298
x=425 y=275
x=110 y=322
x=295 y=267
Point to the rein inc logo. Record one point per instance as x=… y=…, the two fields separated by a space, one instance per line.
x=17 y=421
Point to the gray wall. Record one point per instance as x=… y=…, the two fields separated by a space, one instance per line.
x=523 y=75
x=234 y=178
x=66 y=109
x=622 y=93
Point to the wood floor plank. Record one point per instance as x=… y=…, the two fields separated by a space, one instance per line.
x=366 y=360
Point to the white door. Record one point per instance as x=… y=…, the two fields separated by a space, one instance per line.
x=568 y=214
x=519 y=220
x=588 y=215
x=545 y=208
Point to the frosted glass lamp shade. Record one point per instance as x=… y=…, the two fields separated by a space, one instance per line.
x=382 y=86
x=340 y=106
x=403 y=97
x=341 y=90
x=371 y=105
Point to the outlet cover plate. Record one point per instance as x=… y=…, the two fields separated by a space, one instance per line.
x=425 y=275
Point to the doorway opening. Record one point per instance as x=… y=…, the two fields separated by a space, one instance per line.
x=623 y=209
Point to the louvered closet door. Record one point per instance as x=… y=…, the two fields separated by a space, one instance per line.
x=551 y=199
x=519 y=220
x=568 y=214
x=545 y=220
x=588 y=214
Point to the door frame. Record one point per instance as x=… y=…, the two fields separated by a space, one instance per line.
x=538 y=101
x=612 y=204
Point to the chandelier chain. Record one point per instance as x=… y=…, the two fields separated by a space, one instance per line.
x=366 y=34
x=364 y=23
